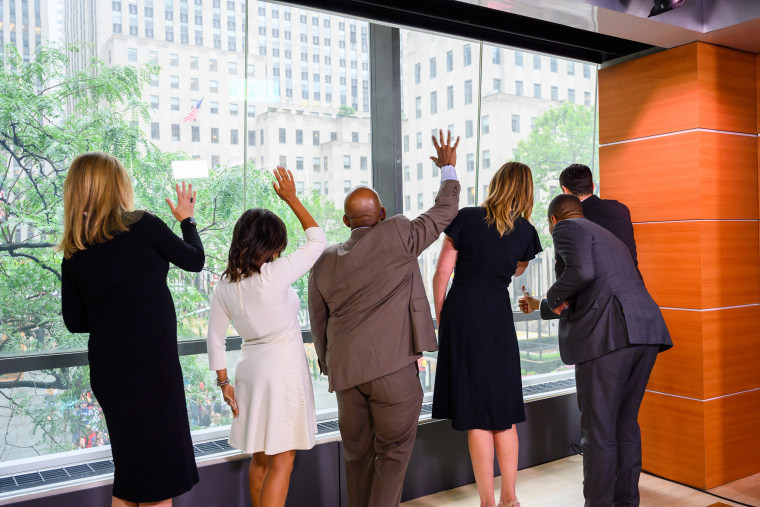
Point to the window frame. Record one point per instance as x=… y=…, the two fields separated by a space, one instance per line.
x=55 y=359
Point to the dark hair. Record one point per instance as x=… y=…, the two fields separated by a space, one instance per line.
x=564 y=206
x=259 y=236
x=577 y=179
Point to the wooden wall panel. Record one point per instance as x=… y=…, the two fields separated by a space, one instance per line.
x=732 y=442
x=670 y=261
x=757 y=89
x=715 y=353
x=701 y=443
x=702 y=264
x=660 y=99
x=656 y=178
x=727 y=187
x=673 y=438
x=683 y=177
x=731 y=349
x=727 y=97
x=680 y=370
x=692 y=86
x=730 y=264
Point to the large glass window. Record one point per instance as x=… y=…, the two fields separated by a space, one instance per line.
x=118 y=111
x=535 y=127
x=135 y=106
x=562 y=129
x=460 y=89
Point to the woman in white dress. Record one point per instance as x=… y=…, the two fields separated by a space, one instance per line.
x=272 y=402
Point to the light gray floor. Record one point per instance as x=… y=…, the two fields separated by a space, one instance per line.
x=558 y=484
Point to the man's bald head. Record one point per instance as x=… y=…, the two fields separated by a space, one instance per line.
x=565 y=206
x=362 y=208
x=562 y=207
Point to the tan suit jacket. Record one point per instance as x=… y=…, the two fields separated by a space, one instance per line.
x=369 y=312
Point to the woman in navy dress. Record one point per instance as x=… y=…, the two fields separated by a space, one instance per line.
x=478 y=383
x=114 y=288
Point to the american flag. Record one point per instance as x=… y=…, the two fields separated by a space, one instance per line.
x=193 y=114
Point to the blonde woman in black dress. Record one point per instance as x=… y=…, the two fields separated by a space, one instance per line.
x=478 y=383
x=114 y=288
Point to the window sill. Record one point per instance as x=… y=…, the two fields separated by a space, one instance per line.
x=210 y=444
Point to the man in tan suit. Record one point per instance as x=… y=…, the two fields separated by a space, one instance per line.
x=371 y=320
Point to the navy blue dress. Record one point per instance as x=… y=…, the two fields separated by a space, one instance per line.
x=117 y=292
x=478 y=383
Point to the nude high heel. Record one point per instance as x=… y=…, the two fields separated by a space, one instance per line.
x=513 y=503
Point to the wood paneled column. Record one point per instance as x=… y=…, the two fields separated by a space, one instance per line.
x=679 y=145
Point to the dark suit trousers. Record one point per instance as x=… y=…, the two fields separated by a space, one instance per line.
x=378 y=425
x=610 y=389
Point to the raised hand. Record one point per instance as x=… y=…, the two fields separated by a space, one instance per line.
x=185 y=202
x=285 y=186
x=447 y=154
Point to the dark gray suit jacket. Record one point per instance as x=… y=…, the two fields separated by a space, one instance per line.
x=613 y=216
x=369 y=312
x=611 y=307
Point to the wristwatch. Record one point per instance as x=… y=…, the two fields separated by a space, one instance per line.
x=189 y=220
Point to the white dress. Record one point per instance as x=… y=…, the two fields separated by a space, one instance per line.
x=272 y=381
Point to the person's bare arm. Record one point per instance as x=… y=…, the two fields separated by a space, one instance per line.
x=426 y=228
x=216 y=336
x=228 y=391
x=521 y=267
x=446 y=262
x=285 y=187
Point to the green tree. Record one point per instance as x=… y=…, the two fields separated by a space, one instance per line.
x=561 y=136
x=48 y=116
x=345 y=111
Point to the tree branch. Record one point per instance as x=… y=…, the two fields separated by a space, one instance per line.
x=38 y=261
x=12 y=247
x=56 y=384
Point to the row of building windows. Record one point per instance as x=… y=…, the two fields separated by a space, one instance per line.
x=274 y=14
x=195 y=136
x=553 y=64
x=324 y=188
x=213 y=106
x=485 y=128
x=326 y=40
x=485 y=160
x=232 y=66
x=469 y=191
x=519 y=91
x=184 y=36
x=116 y=7
x=467 y=61
x=282 y=136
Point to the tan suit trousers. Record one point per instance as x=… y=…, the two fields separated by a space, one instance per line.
x=378 y=425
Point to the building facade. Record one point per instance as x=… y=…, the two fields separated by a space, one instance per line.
x=307 y=79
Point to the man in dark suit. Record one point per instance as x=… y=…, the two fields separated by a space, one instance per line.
x=371 y=320
x=613 y=215
x=612 y=331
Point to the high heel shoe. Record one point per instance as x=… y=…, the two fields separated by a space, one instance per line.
x=513 y=503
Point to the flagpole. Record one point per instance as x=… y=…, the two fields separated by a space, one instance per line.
x=245 y=112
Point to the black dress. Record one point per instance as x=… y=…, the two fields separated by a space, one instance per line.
x=117 y=292
x=478 y=383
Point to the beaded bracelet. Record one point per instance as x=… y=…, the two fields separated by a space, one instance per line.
x=224 y=382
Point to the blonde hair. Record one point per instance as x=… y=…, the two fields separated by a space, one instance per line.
x=97 y=193
x=510 y=195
